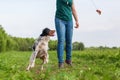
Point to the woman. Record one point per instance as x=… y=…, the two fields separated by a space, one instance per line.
x=64 y=27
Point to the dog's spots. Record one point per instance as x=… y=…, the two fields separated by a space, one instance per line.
x=41 y=54
x=43 y=44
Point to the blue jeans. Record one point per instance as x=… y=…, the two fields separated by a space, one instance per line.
x=64 y=34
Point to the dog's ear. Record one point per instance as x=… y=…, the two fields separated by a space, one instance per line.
x=45 y=32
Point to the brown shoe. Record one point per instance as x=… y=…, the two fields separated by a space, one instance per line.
x=69 y=62
x=61 y=65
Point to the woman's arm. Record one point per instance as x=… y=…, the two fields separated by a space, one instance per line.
x=75 y=16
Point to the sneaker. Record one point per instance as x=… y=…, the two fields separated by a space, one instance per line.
x=61 y=65
x=69 y=62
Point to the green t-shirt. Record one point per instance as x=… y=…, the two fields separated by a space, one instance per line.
x=63 y=9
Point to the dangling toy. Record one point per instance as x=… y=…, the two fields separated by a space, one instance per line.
x=98 y=11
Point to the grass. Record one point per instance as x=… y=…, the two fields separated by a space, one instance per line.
x=87 y=65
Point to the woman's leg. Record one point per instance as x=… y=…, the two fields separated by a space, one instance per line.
x=69 y=34
x=60 y=28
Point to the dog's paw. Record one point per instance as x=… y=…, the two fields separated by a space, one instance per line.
x=32 y=65
x=47 y=61
x=27 y=69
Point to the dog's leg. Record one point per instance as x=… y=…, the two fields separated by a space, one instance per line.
x=28 y=68
x=44 y=62
x=42 y=67
x=47 y=58
x=33 y=63
x=32 y=60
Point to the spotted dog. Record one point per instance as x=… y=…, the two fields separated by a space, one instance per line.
x=40 y=48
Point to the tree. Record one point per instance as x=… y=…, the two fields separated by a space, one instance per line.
x=3 y=37
x=75 y=46
x=10 y=43
x=52 y=45
x=78 y=46
x=114 y=47
x=81 y=46
x=7 y=42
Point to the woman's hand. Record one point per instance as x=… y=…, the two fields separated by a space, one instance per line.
x=77 y=24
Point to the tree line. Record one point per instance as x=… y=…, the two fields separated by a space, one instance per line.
x=8 y=42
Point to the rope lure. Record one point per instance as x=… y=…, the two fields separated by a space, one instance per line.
x=97 y=10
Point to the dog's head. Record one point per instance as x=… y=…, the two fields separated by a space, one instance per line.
x=47 y=32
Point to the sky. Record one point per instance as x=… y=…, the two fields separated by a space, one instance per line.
x=27 y=18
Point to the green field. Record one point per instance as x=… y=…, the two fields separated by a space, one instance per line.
x=90 y=64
